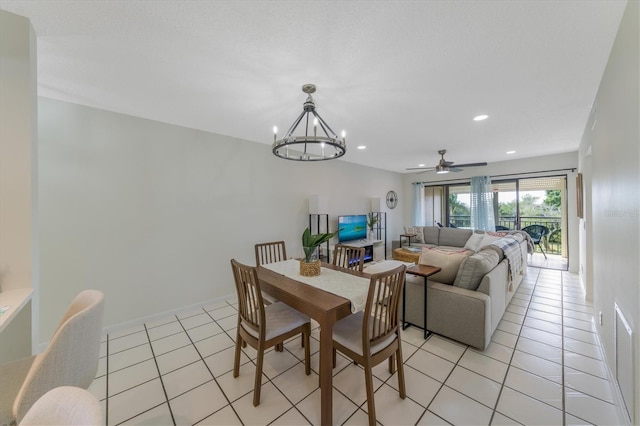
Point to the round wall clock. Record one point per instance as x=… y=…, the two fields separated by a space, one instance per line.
x=392 y=199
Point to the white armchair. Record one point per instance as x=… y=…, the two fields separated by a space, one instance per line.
x=70 y=359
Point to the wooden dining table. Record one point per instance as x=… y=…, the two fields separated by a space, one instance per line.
x=324 y=307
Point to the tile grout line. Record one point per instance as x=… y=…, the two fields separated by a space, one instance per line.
x=107 y=386
x=564 y=389
x=155 y=361
x=513 y=353
x=207 y=365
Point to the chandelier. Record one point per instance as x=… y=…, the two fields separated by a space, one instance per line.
x=309 y=146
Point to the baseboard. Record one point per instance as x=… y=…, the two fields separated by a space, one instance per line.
x=615 y=389
x=150 y=318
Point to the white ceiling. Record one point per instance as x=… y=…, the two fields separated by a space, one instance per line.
x=403 y=78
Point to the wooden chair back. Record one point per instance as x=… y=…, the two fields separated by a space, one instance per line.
x=271 y=252
x=348 y=257
x=250 y=302
x=381 y=310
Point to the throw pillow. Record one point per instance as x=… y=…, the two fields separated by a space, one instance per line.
x=497 y=234
x=474 y=241
x=418 y=231
x=488 y=239
x=448 y=260
x=474 y=268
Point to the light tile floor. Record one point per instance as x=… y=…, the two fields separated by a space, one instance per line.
x=544 y=366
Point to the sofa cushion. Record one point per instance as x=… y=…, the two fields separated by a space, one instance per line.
x=473 y=269
x=431 y=234
x=417 y=231
x=448 y=260
x=455 y=237
x=475 y=241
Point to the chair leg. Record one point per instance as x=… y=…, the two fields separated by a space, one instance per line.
x=334 y=357
x=307 y=351
x=258 y=382
x=371 y=407
x=545 y=254
x=392 y=364
x=400 y=367
x=280 y=347
x=236 y=359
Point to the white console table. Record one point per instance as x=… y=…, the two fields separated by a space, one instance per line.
x=15 y=299
x=15 y=324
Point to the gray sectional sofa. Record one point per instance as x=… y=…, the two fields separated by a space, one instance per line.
x=466 y=301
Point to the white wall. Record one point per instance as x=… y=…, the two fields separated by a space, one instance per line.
x=151 y=213
x=18 y=174
x=613 y=205
x=522 y=168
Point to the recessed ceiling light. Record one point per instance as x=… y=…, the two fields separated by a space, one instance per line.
x=510 y=152
x=480 y=117
x=421 y=165
x=362 y=147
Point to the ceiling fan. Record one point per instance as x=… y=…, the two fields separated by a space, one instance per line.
x=444 y=166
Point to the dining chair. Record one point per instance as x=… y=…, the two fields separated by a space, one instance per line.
x=262 y=326
x=348 y=257
x=70 y=359
x=64 y=406
x=373 y=335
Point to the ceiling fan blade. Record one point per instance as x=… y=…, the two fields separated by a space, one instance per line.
x=426 y=169
x=470 y=165
x=446 y=163
x=454 y=169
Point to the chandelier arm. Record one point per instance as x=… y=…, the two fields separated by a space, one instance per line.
x=306 y=131
x=295 y=124
x=325 y=126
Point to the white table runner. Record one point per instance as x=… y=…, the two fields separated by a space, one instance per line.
x=339 y=283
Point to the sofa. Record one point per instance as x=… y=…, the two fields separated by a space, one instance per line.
x=480 y=273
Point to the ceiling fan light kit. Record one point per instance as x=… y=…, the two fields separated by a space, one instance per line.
x=309 y=146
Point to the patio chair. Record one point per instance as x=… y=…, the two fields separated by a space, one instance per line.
x=501 y=228
x=537 y=233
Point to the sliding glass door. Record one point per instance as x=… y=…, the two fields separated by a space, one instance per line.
x=517 y=203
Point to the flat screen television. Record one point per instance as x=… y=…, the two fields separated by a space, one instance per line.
x=352 y=227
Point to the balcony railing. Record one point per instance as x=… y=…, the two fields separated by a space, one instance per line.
x=553 y=243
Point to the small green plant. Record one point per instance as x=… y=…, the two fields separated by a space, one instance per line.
x=372 y=219
x=311 y=242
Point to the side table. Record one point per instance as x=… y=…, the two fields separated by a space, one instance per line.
x=421 y=271
x=408 y=237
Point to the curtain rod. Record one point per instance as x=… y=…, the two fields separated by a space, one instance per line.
x=572 y=169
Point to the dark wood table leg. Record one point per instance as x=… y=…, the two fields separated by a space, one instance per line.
x=326 y=370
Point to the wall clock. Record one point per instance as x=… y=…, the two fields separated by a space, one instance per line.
x=392 y=199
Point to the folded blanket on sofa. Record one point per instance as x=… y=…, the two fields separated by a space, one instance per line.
x=509 y=247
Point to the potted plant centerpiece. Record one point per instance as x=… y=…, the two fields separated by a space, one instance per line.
x=310 y=266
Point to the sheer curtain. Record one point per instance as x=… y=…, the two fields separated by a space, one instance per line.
x=418 y=204
x=482 y=204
